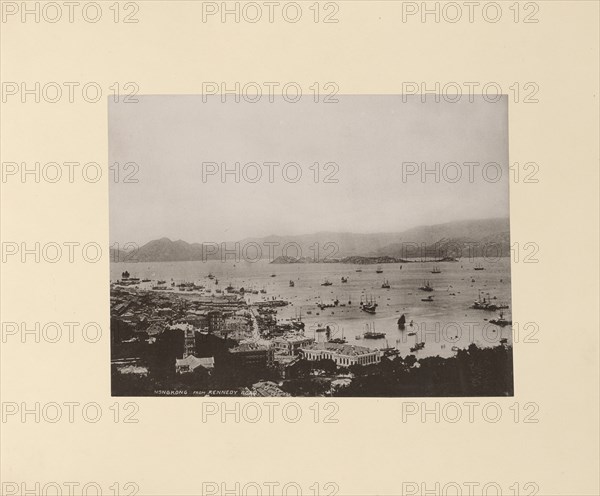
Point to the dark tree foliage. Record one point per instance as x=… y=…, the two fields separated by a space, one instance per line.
x=472 y=372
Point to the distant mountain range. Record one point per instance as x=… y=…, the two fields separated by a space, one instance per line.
x=469 y=238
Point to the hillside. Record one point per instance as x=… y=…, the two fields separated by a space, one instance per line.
x=463 y=238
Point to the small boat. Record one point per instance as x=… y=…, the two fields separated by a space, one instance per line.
x=162 y=282
x=501 y=321
x=263 y=291
x=429 y=298
x=210 y=276
x=385 y=285
x=292 y=284
x=326 y=283
x=417 y=347
x=483 y=303
x=411 y=333
x=479 y=267
x=358 y=337
x=145 y=280
x=436 y=270
x=358 y=270
x=344 y=279
x=379 y=270
x=273 y=275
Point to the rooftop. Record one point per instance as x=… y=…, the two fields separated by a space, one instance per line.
x=293 y=338
x=181 y=327
x=194 y=362
x=342 y=349
x=248 y=347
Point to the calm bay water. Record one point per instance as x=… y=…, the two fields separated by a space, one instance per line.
x=447 y=321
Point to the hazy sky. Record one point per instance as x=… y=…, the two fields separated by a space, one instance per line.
x=368 y=137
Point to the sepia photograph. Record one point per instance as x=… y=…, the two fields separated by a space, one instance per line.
x=235 y=233
x=355 y=246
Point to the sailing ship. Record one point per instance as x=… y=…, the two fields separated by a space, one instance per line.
x=368 y=305
x=483 y=303
x=371 y=333
x=436 y=270
x=368 y=308
x=297 y=322
x=401 y=321
x=385 y=285
x=341 y=340
x=389 y=351
x=426 y=286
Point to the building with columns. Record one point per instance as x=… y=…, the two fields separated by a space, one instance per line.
x=343 y=355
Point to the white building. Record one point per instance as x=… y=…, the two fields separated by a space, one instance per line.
x=190 y=363
x=343 y=355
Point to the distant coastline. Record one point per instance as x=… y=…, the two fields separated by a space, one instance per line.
x=489 y=238
x=356 y=260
